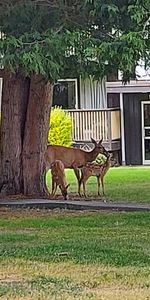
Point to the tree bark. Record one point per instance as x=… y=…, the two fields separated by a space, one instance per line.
x=35 y=138
x=15 y=92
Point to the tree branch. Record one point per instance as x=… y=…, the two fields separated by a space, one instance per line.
x=146 y=24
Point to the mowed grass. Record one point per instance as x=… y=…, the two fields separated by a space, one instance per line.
x=60 y=255
x=122 y=184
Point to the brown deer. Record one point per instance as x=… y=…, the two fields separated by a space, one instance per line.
x=73 y=158
x=58 y=178
x=98 y=170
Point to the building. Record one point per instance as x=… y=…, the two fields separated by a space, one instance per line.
x=133 y=100
x=118 y=113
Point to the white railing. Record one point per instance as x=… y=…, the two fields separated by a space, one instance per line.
x=95 y=123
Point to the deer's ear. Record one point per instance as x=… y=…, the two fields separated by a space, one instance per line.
x=93 y=141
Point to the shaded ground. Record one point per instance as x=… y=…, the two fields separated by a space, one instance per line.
x=91 y=205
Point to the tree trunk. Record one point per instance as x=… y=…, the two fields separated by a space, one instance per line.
x=15 y=92
x=24 y=128
x=35 y=138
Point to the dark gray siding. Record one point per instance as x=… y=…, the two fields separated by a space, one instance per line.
x=133 y=127
x=113 y=100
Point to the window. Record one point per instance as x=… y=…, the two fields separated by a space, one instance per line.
x=65 y=94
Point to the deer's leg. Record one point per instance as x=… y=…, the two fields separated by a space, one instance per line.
x=79 y=179
x=102 y=182
x=44 y=183
x=54 y=187
x=77 y=173
x=84 y=184
x=80 y=183
x=98 y=184
x=79 y=187
x=84 y=192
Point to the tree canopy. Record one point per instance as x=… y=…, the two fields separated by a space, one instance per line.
x=43 y=40
x=58 y=38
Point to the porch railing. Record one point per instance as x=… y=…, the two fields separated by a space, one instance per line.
x=96 y=123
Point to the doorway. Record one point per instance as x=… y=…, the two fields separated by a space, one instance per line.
x=146 y=132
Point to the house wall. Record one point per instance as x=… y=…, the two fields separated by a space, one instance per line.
x=0 y=92
x=115 y=125
x=65 y=93
x=133 y=127
x=80 y=93
x=113 y=100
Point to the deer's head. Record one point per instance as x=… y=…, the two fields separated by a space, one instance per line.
x=64 y=191
x=100 y=148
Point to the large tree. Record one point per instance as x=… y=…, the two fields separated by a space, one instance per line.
x=43 y=40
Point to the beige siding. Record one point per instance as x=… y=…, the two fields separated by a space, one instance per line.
x=115 y=125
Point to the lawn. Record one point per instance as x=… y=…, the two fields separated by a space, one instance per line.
x=68 y=255
x=122 y=184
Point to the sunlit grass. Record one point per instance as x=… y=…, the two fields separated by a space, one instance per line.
x=71 y=281
x=122 y=184
x=60 y=255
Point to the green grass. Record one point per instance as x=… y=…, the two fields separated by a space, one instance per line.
x=49 y=255
x=115 y=239
x=112 y=238
x=122 y=184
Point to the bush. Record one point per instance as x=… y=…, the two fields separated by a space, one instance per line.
x=100 y=159
x=60 y=132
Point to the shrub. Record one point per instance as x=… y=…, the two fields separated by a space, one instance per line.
x=100 y=159
x=60 y=132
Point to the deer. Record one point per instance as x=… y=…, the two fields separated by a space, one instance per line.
x=73 y=158
x=98 y=170
x=59 y=178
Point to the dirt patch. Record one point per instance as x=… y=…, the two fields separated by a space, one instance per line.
x=27 y=212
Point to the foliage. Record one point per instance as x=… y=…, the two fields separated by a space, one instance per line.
x=61 y=38
x=60 y=132
x=100 y=159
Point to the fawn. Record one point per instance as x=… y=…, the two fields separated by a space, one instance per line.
x=98 y=170
x=59 y=178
